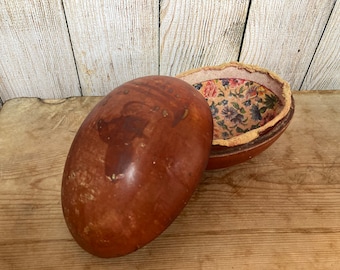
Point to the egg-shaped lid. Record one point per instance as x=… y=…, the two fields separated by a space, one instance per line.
x=134 y=164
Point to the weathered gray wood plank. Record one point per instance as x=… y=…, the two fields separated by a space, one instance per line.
x=324 y=72
x=283 y=35
x=36 y=56
x=113 y=41
x=200 y=33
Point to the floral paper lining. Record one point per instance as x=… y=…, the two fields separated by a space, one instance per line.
x=238 y=105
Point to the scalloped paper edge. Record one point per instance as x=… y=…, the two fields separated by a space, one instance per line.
x=286 y=97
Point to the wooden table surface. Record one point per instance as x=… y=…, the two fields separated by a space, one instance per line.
x=280 y=210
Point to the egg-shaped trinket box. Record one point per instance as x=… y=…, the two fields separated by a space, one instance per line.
x=140 y=153
x=250 y=106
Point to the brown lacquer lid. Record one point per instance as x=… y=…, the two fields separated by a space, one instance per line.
x=134 y=164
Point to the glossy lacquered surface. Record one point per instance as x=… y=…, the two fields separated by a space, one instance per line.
x=134 y=164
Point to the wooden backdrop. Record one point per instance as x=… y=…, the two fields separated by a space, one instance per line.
x=56 y=49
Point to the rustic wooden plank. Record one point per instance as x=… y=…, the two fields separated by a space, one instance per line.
x=200 y=33
x=324 y=70
x=283 y=35
x=280 y=210
x=36 y=55
x=113 y=41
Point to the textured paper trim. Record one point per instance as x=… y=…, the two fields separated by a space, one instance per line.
x=248 y=72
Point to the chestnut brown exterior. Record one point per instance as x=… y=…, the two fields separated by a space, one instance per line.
x=134 y=164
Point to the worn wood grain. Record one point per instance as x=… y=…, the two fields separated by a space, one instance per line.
x=283 y=35
x=200 y=33
x=52 y=49
x=113 y=41
x=280 y=210
x=36 y=55
x=324 y=72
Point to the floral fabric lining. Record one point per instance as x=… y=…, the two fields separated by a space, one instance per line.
x=238 y=105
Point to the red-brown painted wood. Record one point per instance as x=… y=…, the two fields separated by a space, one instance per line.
x=134 y=163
